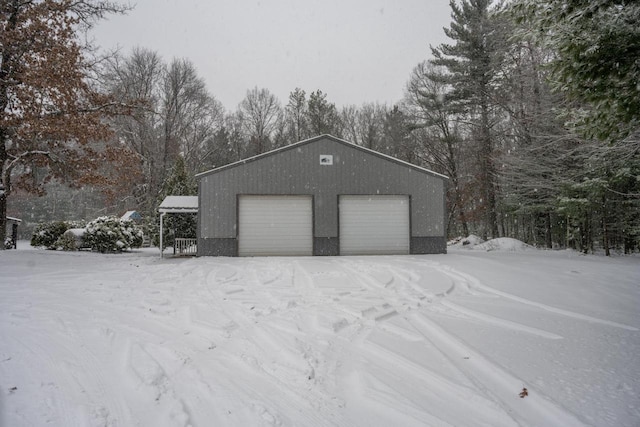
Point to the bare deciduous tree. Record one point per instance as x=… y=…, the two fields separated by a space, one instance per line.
x=173 y=115
x=260 y=112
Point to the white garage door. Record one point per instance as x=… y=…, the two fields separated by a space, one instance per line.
x=371 y=225
x=275 y=225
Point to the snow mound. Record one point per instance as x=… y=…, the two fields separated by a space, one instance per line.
x=76 y=232
x=504 y=244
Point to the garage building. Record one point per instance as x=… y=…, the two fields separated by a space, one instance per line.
x=321 y=196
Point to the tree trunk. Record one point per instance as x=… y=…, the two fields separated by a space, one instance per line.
x=547 y=230
x=4 y=186
x=585 y=233
x=605 y=230
x=487 y=172
x=458 y=200
x=5 y=61
x=3 y=216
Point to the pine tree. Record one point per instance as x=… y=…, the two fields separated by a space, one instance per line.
x=178 y=183
x=581 y=163
x=597 y=46
x=323 y=116
x=296 y=114
x=471 y=62
x=396 y=139
x=434 y=119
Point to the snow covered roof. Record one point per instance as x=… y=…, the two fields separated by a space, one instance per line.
x=135 y=215
x=10 y=218
x=179 y=204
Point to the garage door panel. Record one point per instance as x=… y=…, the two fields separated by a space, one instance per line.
x=371 y=225
x=275 y=225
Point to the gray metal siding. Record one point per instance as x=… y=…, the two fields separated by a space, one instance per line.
x=427 y=206
x=429 y=245
x=217 y=247
x=298 y=171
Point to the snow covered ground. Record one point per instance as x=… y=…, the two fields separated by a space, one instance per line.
x=439 y=340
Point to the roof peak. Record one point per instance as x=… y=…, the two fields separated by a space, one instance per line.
x=314 y=139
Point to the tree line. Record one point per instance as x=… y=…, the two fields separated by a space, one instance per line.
x=532 y=110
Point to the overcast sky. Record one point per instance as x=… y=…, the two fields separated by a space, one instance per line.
x=355 y=51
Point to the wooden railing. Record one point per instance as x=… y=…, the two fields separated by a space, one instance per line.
x=185 y=247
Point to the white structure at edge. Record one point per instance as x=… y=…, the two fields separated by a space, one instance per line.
x=175 y=204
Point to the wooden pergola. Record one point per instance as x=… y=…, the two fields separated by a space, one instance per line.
x=177 y=205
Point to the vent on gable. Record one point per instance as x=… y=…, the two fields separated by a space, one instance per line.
x=326 y=159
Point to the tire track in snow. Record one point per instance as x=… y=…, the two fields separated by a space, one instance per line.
x=382 y=283
x=400 y=295
x=156 y=348
x=78 y=390
x=495 y=382
x=55 y=388
x=474 y=283
x=503 y=323
x=427 y=384
x=154 y=379
x=262 y=347
x=408 y=295
x=76 y=368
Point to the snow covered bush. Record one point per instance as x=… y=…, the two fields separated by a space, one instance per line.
x=47 y=233
x=67 y=242
x=132 y=232
x=8 y=243
x=112 y=234
x=72 y=240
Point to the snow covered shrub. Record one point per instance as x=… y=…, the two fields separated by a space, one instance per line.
x=8 y=243
x=72 y=239
x=132 y=232
x=67 y=242
x=47 y=234
x=111 y=234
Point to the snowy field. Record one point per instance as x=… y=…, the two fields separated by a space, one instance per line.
x=439 y=340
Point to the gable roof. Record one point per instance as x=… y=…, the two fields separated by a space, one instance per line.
x=311 y=141
x=135 y=215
